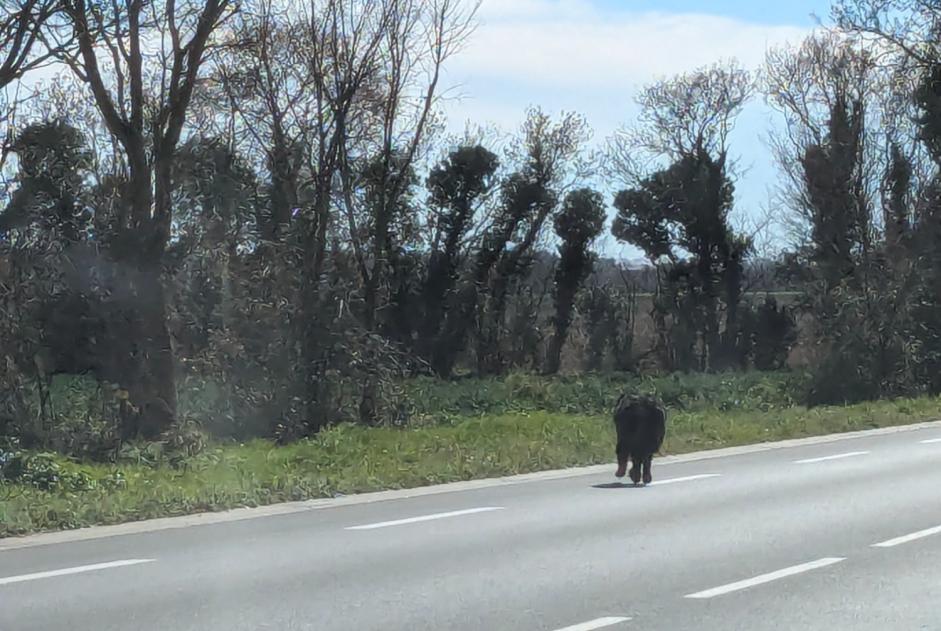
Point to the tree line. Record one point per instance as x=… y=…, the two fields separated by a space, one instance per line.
x=261 y=195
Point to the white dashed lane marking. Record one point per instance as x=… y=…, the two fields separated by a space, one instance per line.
x=766 y=578
x=688 y=478
x=420 y=518
x=921 y=534
x=22 y=578
x=851 y=454
x=599 y=623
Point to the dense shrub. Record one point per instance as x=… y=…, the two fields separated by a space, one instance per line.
x=596 y=394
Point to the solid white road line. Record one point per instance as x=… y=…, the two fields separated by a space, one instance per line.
x=71 y=570
x=931 y=441
x=921 y=534
x=599 y=623
x=765 y=578
x=851 y=454
x=412 y=520
x=688 y=478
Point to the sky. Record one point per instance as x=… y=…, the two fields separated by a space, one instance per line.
x=592 y=56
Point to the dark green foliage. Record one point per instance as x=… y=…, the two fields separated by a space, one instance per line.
x=526 y=326
x=216 y=192
x=455 y=187
x=683 y=209
x=897 y=191
x=525 y=205
x=872 y=296
x=928 y=99
x=549 y=150
x=870 y=347
x=924 y=285
x=578 y=223
x=42 y=471
x=836 y=195
x=767 y=333
x=53 y=164
x=609 y=315
x=597 y=394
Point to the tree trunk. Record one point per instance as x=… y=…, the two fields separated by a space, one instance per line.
x=554 y=354
x=146 y=366
x=144 y=362
x=563 y=320
x=458 y=318
x=313 y=327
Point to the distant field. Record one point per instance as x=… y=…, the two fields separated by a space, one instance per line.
x=645 y=332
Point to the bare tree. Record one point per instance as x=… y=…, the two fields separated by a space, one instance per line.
x=141 y=62
x=807 y=84
x=21 y=48
x=21 y=51
x=283 y=82
x=679 y=117
x=419 y=37
x=338 y=97
x=909 y=31
x=849 y=144
x=423 y=35
x=910 y=26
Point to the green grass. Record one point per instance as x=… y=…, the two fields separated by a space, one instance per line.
x=595 y=394
x=469 y=430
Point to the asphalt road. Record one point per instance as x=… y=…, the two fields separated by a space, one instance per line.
x=843 y=534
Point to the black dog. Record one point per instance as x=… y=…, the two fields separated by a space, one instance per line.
x=641 y=427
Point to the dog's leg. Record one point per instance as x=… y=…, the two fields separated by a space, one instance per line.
x=622 y=462
x=635 y=469
x=648 y=464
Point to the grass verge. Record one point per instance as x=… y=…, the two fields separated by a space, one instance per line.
x=348 y=459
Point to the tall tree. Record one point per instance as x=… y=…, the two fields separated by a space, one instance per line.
x=141 y=63
x=44 y=237
x=577 y=224
x=550 y=156
x=835 y=194
x=912 y=28
x=417 y=44
x=827 y=150
x=679 y=215
x=457 y=186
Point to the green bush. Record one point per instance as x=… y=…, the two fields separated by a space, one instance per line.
x=43 y=471
x=596 y=394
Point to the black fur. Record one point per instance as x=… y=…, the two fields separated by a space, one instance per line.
x=641 y=427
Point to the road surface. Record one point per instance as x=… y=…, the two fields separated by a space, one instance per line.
x=841 y=534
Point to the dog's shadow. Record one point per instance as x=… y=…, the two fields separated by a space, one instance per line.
x=617 y=485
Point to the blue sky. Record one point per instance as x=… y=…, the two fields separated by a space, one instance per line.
x=789 y=12
x=592 y=56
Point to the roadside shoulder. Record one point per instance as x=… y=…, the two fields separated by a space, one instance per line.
x=238 y=514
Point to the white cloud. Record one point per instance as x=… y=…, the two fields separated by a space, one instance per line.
x=534 y=9
x=574 y=44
